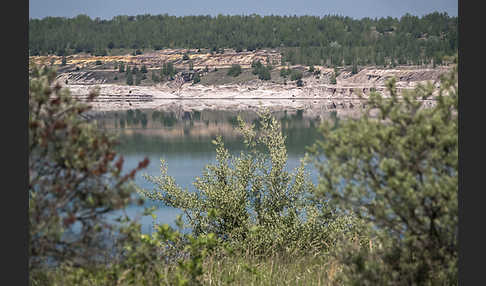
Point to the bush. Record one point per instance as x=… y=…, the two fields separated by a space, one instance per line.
x=196 y=78
x=398 y=171
x=260 y=70
x=98 y=62
x=235 y=70
x=74 y=179
x=250 y=201
x=284 y=72
x=295 y=75
x=332 y=80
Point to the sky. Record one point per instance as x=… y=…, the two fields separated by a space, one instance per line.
x=107 y=9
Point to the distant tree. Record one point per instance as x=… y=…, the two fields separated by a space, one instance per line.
x=354 y=70
x=311 y=69
x=296 y=75
x=235 y=70
x=138 y=78
x=129 y=77
x=121 y=67
x=196 y=78
x=333 y=78
x=264 y=74
x=284 y=72
x=155 y=78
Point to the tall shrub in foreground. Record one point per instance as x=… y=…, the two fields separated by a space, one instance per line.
x=251 y=201
x=74 y=177
x=398 y=171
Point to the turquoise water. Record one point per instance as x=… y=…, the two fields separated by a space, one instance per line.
x=183 y=139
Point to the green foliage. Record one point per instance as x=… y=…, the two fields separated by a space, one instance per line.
x=73 y=177
x=164 y=257
x=168 y=70
x=354 y=69
x=285 y=72
x=121 y=67
x=397 y=169
x=196 y=78
x=155 y=77
x=295 y=75
x=311 y=69
x=235 y=70
x=129 y=76
x=138 y=78
x=260 y=70
x=303 y=39
x=332 y=80
x=250 y=201
x=143 y=69
x=98 y=63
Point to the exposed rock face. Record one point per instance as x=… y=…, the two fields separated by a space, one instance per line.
x=158 y=58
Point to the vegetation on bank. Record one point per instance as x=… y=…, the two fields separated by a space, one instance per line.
x=384 y=211
x=306 y=40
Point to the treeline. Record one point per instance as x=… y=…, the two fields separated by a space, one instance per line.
x=313 y=40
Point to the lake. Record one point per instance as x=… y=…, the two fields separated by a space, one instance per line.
x=184 y=138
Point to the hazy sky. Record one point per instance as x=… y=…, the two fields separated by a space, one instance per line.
x=106 y=9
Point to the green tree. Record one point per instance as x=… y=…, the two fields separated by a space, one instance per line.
x=121 y=67
x=235 y=70
x=196 y=78
x=398 y=170
x=138 y=78
x=129 y=76
x=296 y=75
x=75 y=177
x=354 y=69
x=332 y=80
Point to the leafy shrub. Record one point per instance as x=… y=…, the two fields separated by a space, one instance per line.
x=332 y=80
x=284 y=72
x=398 y=171
x=295 y=75
x=250 y=201
x=196 y=78
x=235 y=70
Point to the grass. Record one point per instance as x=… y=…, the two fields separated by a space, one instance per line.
x=274 y=270
x=227 y=270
